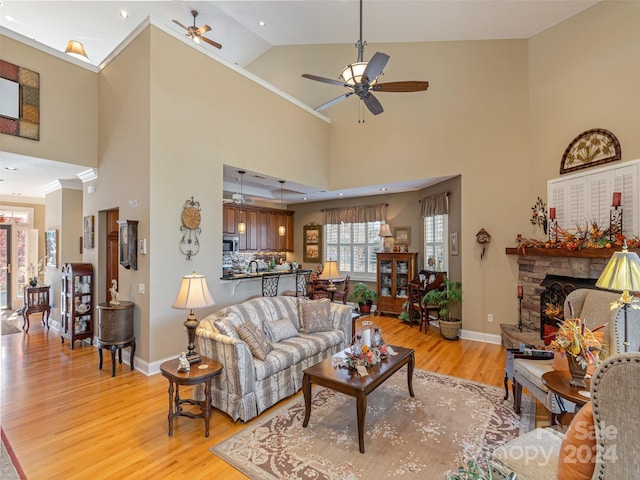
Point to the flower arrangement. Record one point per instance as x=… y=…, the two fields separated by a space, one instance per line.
x=36 y=272
x=573 y=338
x=360 y=354
x=587 y=236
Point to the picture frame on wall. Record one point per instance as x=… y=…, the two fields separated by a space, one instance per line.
x=51 y=248
x=454 y=243
x=89 y=229
x=402 y=235
x=312 y=243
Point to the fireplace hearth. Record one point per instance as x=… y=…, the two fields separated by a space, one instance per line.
x=536 y=273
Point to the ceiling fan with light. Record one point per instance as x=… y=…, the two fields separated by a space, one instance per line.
x=361 y=78
x=196 y=33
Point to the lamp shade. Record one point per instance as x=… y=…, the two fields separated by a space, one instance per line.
x=330 y=270
x=385 y=231
x=76 y=49
x=193 y=293
x=622 y=272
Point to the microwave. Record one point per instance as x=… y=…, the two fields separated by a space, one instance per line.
x=229 y=244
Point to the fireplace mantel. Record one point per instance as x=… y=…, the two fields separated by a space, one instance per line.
x=563 y=252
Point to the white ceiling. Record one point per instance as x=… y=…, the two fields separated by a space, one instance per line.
x=100 y=27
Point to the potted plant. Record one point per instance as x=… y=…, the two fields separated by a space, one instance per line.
x=446 y=298
x=404 y=314
x=363 y=296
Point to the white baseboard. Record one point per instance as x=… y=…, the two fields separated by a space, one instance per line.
x=481 y=337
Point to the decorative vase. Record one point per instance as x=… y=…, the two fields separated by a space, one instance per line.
x=450 y=329
x=577 y=371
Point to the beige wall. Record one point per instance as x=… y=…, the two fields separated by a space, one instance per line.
x=63 y=213
x=585 y=74
x=68 y=108
x=471 y=123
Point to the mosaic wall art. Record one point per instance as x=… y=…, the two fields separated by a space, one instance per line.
x=26 y=122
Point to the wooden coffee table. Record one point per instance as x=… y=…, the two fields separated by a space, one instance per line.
x=349 y=382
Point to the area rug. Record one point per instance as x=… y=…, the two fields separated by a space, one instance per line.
x=409 y=438
x=8 y=327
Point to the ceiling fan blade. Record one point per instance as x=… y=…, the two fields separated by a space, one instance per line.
x=211 y=42
x=203 y=29
x=375 y=66
x=177 y=22
x=407 y=86
x=372 y=103
x=331 y=103
x=323 y=79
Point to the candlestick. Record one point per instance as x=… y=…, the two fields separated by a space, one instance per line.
x=552 y=213
x=520 y=291
x=617 y=199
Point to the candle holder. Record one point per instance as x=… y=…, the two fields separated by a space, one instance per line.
x=520 y=296
x=615 y=222
x=553 y=230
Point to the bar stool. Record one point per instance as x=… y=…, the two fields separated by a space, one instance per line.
x=303 y=280
x=270 y=285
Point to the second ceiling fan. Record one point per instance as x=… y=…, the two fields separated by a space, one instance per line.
x=196 y=33
x=361 y=78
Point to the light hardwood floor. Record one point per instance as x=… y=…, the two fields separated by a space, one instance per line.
x=68 y=420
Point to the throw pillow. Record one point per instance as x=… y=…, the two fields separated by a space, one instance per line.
x=280 y=330
x=578 y=449
x=316 y=316
x=255 y=338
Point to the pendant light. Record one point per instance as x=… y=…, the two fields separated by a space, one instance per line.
x=282 y=230
x=242 y=227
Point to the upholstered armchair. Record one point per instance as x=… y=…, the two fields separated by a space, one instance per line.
x=594 y=308
x=541 y=453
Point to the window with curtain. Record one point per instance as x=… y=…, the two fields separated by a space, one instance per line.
x=354 y=247
x=435 y=210
x=435 y=242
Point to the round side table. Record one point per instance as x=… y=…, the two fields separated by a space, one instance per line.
x=558 y=382
x=115 y=331
x=203 y=372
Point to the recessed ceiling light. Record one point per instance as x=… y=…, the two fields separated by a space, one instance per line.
x=383 y=189
x=124 y=14
x=340 y=194
x=304 y=198
x=10 y=168
x=262 y=23
x=16 y=194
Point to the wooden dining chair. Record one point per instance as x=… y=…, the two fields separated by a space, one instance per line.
x=416 y=309
x=343 y=293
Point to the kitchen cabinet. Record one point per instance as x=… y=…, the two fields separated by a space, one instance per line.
x=395 y=271
x=229 y=219
x=262 y=227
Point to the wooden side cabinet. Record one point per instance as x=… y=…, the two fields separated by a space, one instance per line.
x=76 y=303
x=115 y=331
x=395 y=271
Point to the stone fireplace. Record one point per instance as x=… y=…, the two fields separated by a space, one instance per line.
x=549 y=275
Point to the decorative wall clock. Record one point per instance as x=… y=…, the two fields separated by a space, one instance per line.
x=190 y=228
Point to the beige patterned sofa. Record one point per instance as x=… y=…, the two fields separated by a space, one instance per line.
x=292 y=333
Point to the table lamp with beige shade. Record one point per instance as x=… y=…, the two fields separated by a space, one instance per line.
x=622 y=273
x=193 y=294
x=330 y=272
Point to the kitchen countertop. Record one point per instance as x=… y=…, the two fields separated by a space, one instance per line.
x=241 y=276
